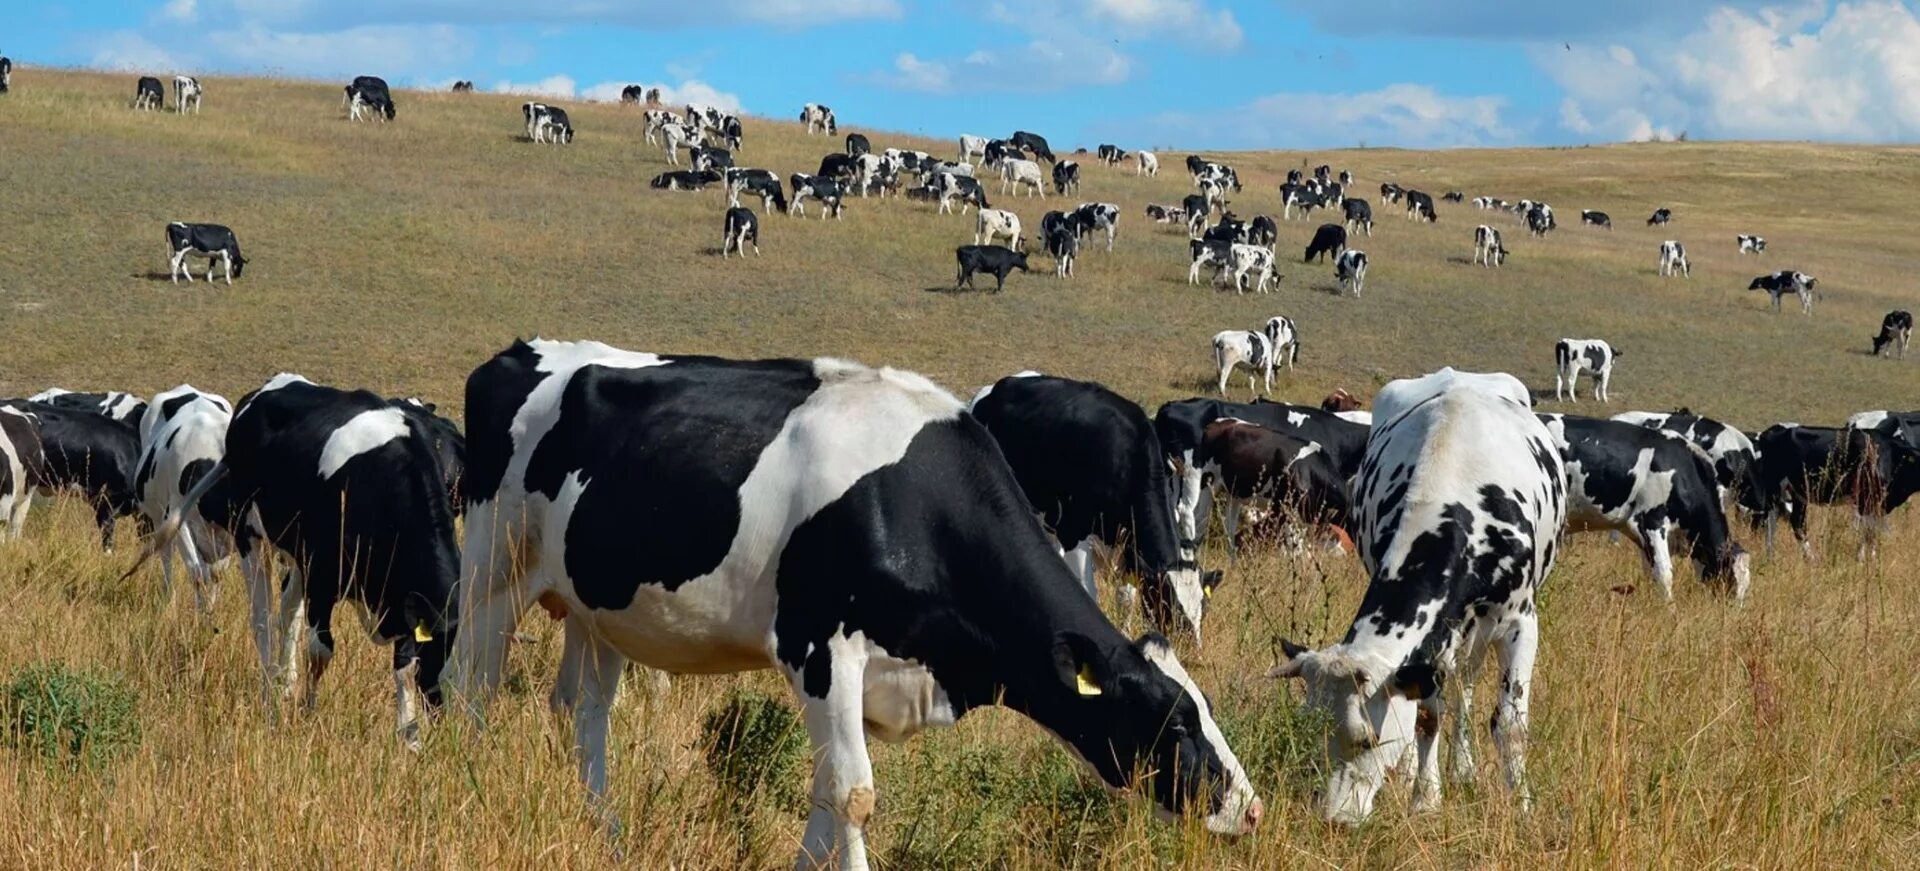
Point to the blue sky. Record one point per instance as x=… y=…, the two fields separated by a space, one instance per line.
x=1140 y=73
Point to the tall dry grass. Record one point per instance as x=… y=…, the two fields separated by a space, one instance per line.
x=1778 y=733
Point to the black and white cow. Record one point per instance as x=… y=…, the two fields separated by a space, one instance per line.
x=1066 y=177
x=1148 y=164
x=1573 y=356
x=1295 y=479
x=182 y=437
x=1089 y=217
x=19 y=460
x=6 y=74
x=369 y=94
x=1817 y=465
x=1391 y=193
x=1461 y=504
x=1350 y=269
x=1647 y=483
x=1751 y=244
x=1730 y=450
x=1329 y=239
x=818 y=117
x=1160 y=214
x=1111 y=155
x=993 y=260
x=1196 y=208
x=1596 y=219
x=1896 y=330
x=1787 y=281
x=630 y=95
x=1673 y=260
x=740 y=228
x=87 y=453
x=851 y=527
x=1660 y=216
x=1254 y=262
x=1359 y=214
x=187 y=92
x=148 y=94
x=550 y=124
x=733 y=132
x=1284 y=338
x=773 y=197
x=826 y=190
x=1901 y=425
x=1248 y=349
x=1539 y=221
x=209 y=241
x=1208 y=252
x=711 y=158
x=1182 y=424
x=1063 y=245
x=965 y=188
x=842 y=168
x=348 y=487
x=1090 y=464
x=1420 y=207
x=1487 y=247
x=684 y=180
x=465 y=86
x=1034 y=144
x=113 y=405
x=1263 y=231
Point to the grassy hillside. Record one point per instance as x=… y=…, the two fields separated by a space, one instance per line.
x=399 y=256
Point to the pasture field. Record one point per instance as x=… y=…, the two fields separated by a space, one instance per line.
x=1784 y=732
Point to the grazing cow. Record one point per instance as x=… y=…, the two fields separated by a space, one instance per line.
x=1391 y=193
x=1063 y=245
x=369 y=94
x=851 y=527
x=1539 y=221
x=6 y=74
x=1000 y=150
x=1254 y=261
x=1148 y=164
x=712 y=158
x=1454 y=197
x=633 y=94
x=826 y=190
x=1091 y=466
x=186 y=91
x=465 y=86
x=818 y=117
x=857 y=145
x=773 y=197
x=1673 y=259
x=1284 y=338
x=1573 y=356
x=19 y=460
x=547 y=123
x=1206 y=252
x=1066 y=177
x=1022 y=173
x=740 y=229
x=113 y=405
x=674 y=135
x=1216 y=174
x=1263 y=231
x=1487 y=247
x=1160 y=214
x=991 y=259
x=971 y=145
x=1420 y=206
x=209 y=241
x=1341 y=402
x=1034 y=144
x=684 y=180
x=183 y=437
x=842 y=168
x=1299 y=196
x=1787 y=281
x=992 y=224
x=1596 y=219
x=1730 y=450
x=1329 y=239
x=1901 y=425
x=732 y=131
x=349 y=488
x=1803 y=465
x=1660 y=216
x=1351 y=269
x=1089 y=217
x=1359 y=214
x=1181 y=426
x=1294 y=478
x=1896 y=330
x=1646 y=483
x=1235 y=349
x=1461 y=503
x=1751 y=244
x=1111 y=155
x=964 y=188
x=1487 y=203
x=94 y=456
x=657 y=121
x=148 y=94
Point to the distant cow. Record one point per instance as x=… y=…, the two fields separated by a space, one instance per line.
x=773 y=198
x=1018 y=173
x=1262 y=230
x=85 y=452
x=1148 y=164
x=684 y=180
x=971 y=145
x=1751 y=244
x=1252 y=261
x=1351 y=269
x=465 y=86
x=1110 y=155
x=1454 y=197
x=1236 y=349
x=6 y=74
x=210 y=241
x=1160 y=214
x=148 y=94
x=369 y=94
x=991 y=259
x=1573 y=356
x=1089 y=217
x=1660 y=216
x=1391 y=193
x=740 y=228
x=1673 y=259
x=818 y=117
x=1063 y=245
x=1420 y=207
x=1033 y=143
x=1597 y=219
x=1066 y=177
x=1284 y=338
x=992 y=224
x=1787 y=281
x=1539 y=221
x=1359 y=213
x=1329 y=239
x=857 y=144
x=1487 y=248
x=1896 y=330
x=826 y=190
x=186 y=92
x=711 y=157
x=1816 y=465
x=965 y=188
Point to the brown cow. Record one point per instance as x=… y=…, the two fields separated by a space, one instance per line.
x=1340 y=400
x=1293 y=476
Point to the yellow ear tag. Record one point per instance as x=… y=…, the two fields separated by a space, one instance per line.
x=1085 y=681
x=420 y=632
x=1206 y=592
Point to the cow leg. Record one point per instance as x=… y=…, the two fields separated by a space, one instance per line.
x=490 y=606
x=179 y=261
x=1797 y=520
x=255 y=567
x=17 y=516
x=1654 y=548
x=600 y=666
x=290 y=628
x=1460 y=685
x=319 y=640
x=406 y=692
x=1518 y=639
x=226 y=260
x=843 y=796
x=1426 y=753
x=575 y=644
x=1230 y=525
x=199 y=574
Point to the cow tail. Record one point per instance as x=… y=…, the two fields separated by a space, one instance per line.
x=169 y=529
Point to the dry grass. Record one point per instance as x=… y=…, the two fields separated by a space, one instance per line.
x=1777 y=734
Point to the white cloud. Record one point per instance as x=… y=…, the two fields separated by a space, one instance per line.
x=394 y=49
x=179 y=10
x=1400 y=115
x=555 y=87
x=1189 y=20
x=1790 y=72
x=639 y=14
x=127 y=51
x=561 y=87
x=1071 y=44
x=1039 y=66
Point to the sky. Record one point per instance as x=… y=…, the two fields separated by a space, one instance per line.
x=1137 y=73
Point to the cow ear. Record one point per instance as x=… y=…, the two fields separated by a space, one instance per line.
x=1079 y=665
x=1415 y=681
x=1295 y=661
x=1210 y=581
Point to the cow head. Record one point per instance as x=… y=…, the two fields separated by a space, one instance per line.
x=1373 y=720
x=1340 y=400
x=1136 y=714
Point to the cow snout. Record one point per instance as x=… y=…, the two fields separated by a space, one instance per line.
x=1252 y=819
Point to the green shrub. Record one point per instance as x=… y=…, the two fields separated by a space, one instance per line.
x=756 y=747
x=71 y=716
